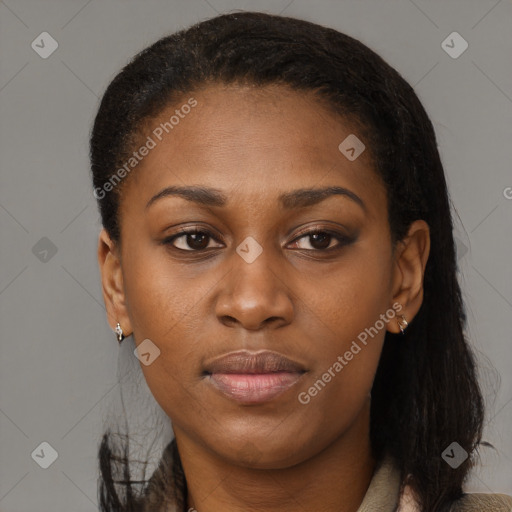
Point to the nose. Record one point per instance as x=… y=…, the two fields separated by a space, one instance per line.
x=254 y=296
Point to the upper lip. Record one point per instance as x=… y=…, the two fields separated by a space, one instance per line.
x=244 y=361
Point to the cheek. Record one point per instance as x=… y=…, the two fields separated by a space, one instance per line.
x=345 y=320
x=168 y=307
x=159 y=298
x=351 y=295
x=163 y=308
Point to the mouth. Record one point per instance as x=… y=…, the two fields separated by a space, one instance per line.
x=252 y=378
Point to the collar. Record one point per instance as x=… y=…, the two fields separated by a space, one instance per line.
x=383 y=492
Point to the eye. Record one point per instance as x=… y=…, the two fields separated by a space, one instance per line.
x=191 y=240
x=321 y=240
x=197 y=240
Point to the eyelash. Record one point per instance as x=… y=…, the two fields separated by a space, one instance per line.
x=341 y=238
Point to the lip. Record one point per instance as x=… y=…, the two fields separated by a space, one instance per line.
x=245 y=361
x=251 y=378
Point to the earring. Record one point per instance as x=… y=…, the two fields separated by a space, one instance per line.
x=402 y=324
x=119 y=332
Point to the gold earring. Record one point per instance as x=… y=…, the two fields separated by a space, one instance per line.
x=119 y=332
x=402 y=324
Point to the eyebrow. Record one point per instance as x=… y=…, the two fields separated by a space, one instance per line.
x=300 y=198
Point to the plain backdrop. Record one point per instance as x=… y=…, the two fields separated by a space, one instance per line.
x=59 y=357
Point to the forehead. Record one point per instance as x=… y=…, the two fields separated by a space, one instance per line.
x=242 y=119
x=260 y=141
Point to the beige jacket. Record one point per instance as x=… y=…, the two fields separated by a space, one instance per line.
x=382 y=494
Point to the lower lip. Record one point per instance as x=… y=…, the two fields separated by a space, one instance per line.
x=254 y=388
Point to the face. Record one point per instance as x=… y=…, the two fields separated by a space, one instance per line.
x=264 y=267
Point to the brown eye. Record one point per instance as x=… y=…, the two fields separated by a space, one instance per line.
x=191 y=241
x=320 y=241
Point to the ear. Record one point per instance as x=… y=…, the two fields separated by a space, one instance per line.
x=411 y=257
x=112 y=283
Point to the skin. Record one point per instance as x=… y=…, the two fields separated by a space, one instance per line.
x=253 y=145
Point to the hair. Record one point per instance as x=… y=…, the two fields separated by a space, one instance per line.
x=425 y=393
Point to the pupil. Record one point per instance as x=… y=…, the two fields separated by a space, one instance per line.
x=324 y=240
x=194 y=244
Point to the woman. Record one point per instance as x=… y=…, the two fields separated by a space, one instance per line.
x=278 y=240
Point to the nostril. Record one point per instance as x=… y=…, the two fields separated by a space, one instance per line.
x=228 y=320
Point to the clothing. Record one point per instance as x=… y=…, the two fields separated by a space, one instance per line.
x=382 y=494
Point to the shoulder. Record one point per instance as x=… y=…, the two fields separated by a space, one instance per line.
x=479 y=502
x=474 y=502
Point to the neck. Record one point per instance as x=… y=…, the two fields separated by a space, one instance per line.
x=333 y=480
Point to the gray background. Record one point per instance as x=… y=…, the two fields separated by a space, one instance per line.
x=58 y=356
